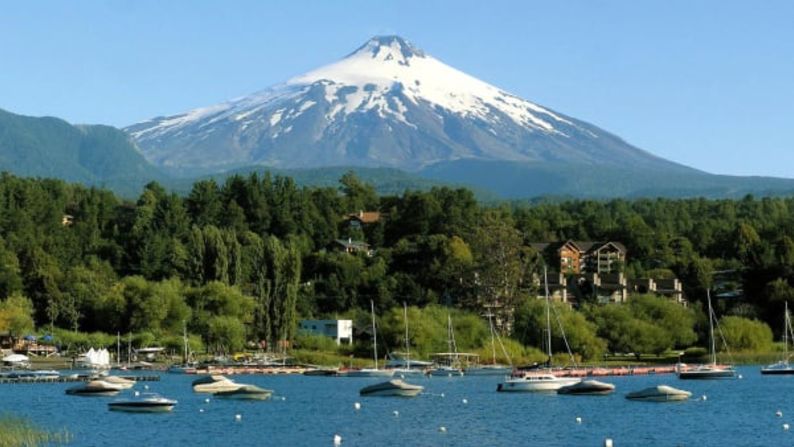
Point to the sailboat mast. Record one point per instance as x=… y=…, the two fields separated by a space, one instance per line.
x=184 y=343
x=548 y=313
x=407 y=346
x=118 y=348
x=711 y=329
x=785 y=333
x=374 y=334
x=493 y=341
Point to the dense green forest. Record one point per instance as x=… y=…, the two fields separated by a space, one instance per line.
x=242 y=261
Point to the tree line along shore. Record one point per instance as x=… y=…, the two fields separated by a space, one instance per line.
x=239 y=263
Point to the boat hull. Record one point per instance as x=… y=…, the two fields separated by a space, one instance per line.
x=707 y=374
x=661 y=393
x=777 y=371
x=588 y=388
x=141 y=407
x=522 y=385
x=368 y=373
x=246 y=393
x=392 y=388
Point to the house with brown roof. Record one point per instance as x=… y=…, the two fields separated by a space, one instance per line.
x=362 y=218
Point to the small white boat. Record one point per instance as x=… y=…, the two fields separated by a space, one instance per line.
x=214 y=384
x=535 y=382
x=147 y=404
x=780 y=368
x=95 y=388
x=394 y=387
x=182 y=369
x=707 y=371
x=445 y=371
x=246 y=392
x=659 y=393
x=367 y=372
x=587 y=388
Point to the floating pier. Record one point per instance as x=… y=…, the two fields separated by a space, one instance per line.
x=71 y=379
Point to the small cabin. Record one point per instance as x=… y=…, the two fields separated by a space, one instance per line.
x=340 y=330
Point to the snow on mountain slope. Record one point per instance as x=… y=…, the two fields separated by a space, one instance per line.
x=386 y=104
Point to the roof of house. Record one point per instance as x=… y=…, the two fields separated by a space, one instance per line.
x=348 y=243
x=365 y=216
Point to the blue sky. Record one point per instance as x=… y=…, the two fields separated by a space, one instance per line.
x=706 y=83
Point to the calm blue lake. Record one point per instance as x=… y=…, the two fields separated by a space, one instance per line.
x=308 y=411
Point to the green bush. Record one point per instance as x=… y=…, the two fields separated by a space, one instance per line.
x=316 y=343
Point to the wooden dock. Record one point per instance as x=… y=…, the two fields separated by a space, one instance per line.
x=71 y=379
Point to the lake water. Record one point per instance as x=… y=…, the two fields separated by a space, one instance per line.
x=308 y=411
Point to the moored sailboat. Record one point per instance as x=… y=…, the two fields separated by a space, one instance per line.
x=711 y=370
x=540 y=380
x=370 y=372
x=782 y=367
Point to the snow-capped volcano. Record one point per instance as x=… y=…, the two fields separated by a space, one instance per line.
x=386 y=104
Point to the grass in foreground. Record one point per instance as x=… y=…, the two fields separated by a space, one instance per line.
x=17 y=431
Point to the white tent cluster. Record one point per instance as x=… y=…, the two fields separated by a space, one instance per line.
x=95 y=359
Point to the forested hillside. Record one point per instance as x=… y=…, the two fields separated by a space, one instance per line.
x=244 y=260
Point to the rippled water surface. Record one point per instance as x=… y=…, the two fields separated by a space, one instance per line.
x=308 y=411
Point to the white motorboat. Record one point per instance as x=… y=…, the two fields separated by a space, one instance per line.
x=659 y=393
x=534 y=382
x=95 y=388
x=150 y=403
x=121 y=382
x=710 y=370
x=782 y=367
x=214 y=384
x=246 y=392
x=367 y=372
x=395 y=387
x=587 y=388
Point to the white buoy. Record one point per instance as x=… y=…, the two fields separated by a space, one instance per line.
x=442 y=394
x=207 y=400
x=238 y=417
x=740 y=376
x=146 y=387
x=137 y=393
x=608 y=442
x=357 y=405
x=201 y=410
x=785 y=427
x=465 y=401
x=779 y=413
x=704 y=397
x=578 y=420
x=395 y=413
x=337 y=440
x=442 y=429
x=283 y=398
